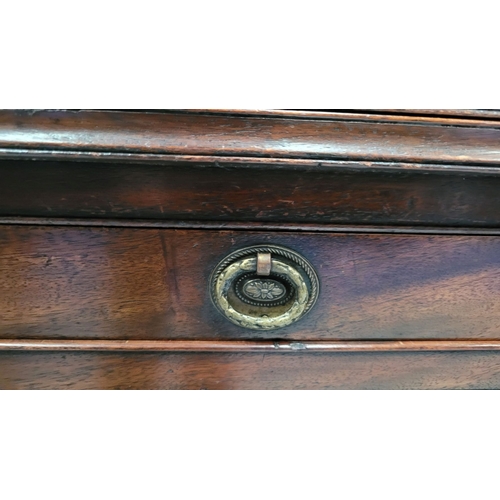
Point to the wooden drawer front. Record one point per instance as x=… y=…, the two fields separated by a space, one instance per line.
x=123 y=283
x=90 y=370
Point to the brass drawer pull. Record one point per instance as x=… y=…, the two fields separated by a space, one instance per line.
x=264 y=287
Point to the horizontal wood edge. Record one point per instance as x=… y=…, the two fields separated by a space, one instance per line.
x=250 y=346
x=452 y=117
x=245 y=226
x=451 y=113
x=243 y=161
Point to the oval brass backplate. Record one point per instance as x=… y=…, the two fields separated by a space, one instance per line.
x=264 y=287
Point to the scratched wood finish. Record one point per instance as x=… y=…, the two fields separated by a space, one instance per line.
x=184 y=133
x=467 y=370
x=234 y=191
x=125 y=283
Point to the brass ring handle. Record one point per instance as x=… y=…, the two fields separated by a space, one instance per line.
x=264 y=287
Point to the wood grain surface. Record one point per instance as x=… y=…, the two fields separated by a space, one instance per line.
x=87 y=304
x=124 y=283
x=465 y=370
x=185 y=133
x=267 y=192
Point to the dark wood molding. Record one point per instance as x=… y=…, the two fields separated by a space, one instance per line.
x=201 y=134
